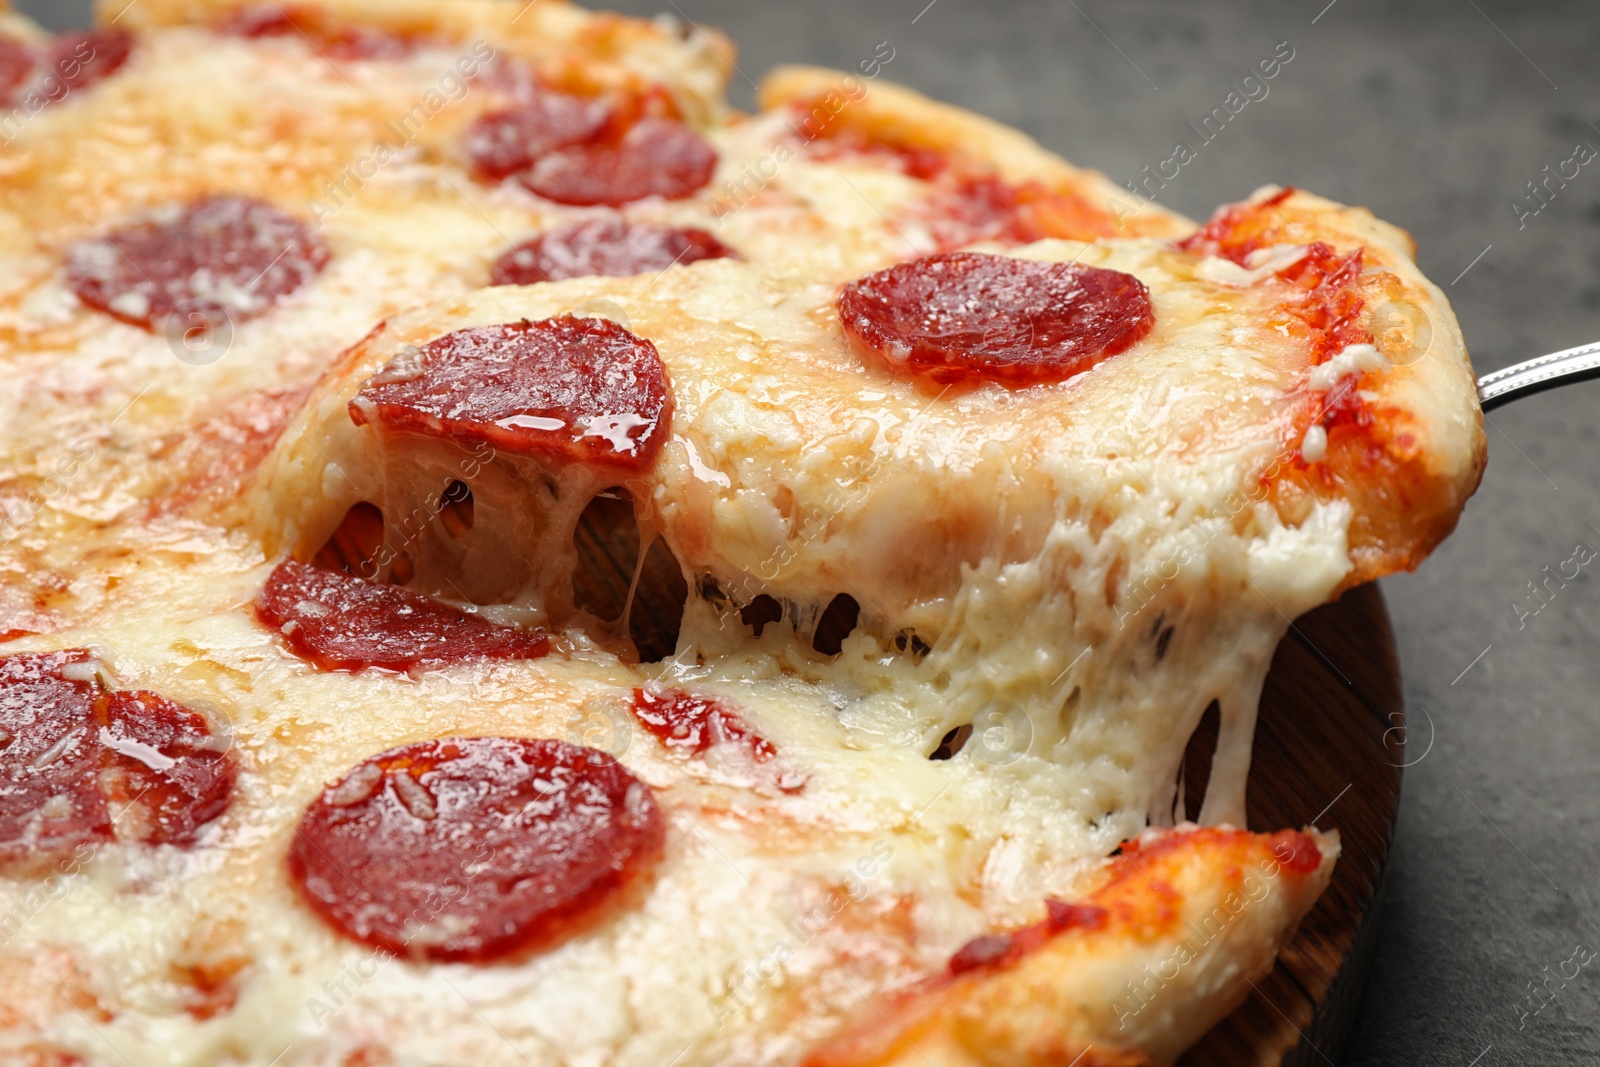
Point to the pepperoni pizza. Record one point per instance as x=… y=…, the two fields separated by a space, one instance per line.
x=504 y=560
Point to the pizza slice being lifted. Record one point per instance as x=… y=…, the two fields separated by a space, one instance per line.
x=326 y=744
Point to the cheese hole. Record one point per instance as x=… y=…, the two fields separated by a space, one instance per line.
x=1069 y=708
x=456 y=509
x=711 y=592
x=1163 y=642
x=656 y=615
x=909 y=640
x=354 y=546
x=607 y=545
x=1197 y=760
x=952 y=742
x=837 y=623
x=761 y=612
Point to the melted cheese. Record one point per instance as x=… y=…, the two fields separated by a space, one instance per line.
x=1041 y=541
x=1085 y=561
x=1352 y=359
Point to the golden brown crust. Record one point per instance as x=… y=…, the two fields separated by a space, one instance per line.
x=1193 y=916
x=1415 y=450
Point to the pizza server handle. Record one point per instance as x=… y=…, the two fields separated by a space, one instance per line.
x=1536 y=375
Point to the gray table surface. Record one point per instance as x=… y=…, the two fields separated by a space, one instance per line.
x=1435 y=114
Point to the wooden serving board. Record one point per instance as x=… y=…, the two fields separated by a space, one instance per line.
x=1328 y=750
x=1329 y=747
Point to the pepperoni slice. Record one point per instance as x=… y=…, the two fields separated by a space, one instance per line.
x=79 y=766
x=580 y=151
x=219 y=258
x=969 y=316
x=17 y=61
x=656 y=157
x=607 y=248
x=694 y=725
x=343 y=623
x=164 y=770
x=470 y=849
x=82 y=58
x=55 y=70
x=581 y=389
x=50 y=801
x=502 y=143
x=691 y=724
